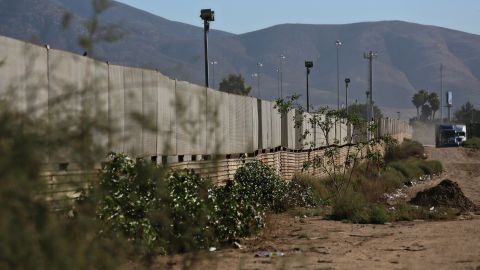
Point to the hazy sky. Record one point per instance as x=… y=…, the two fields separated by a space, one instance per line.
x=240 y=16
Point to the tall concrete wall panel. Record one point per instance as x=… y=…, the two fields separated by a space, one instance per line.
x=255 y=126
x=133 y=111
x=249 y=144
x=116 y=109
x=276 y=127
x=166 y=135
x=288 y=130
x=12 y=73
x=95 y=101
x=149 y=112
x=67 y=88
x=237 y=123
x=266 y=115
x=191 y=118
x=36 y=81
x=217 y=122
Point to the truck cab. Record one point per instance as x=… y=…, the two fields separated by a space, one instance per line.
x=450 y=135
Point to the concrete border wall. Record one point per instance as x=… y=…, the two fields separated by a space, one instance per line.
x=150 y=115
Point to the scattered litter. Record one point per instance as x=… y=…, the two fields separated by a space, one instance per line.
x=317 y=237
x=237 y=245
x=432 y=208
x=266 y=254
x=212 y=249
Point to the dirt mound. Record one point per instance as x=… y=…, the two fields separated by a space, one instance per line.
x=446 y=194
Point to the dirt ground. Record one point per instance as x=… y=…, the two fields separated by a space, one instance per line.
x=315 y=243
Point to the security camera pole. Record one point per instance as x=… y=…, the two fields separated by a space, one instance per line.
x=308 y=65
x=207 y=16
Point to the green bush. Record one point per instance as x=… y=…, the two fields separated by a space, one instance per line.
x=378 y=214
x=260 y=183
x=408 y=168
x=430 y=167
x=472 y=143
x=157 y=212
x=405 y=150
x=234 y=214
x=350 y=206
x=319 y=187
x=32 y=235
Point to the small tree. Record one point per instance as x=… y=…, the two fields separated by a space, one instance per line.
x=235 y=84
x=340 y=172
x=419 y=99
x=426 y=112
x=434 y=102
x=466 y=113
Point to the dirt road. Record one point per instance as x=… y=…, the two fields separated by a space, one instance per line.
x=315 y=243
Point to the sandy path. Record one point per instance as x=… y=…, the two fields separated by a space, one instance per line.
x=314 y=243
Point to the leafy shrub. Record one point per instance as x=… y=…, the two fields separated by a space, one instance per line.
x=350 y=206
x=378 y=214
x=300 y=195
x=407 y=212
x=405 y=150
x=32 y=236
x=318 y=186
x=260 y=183
x=408 y=168
x=190 y=204
x=472 y=143
x=430 y=167
x=128 y=195
x=156 y=211
x=234 y=214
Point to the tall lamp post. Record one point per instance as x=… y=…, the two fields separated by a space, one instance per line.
x=282 y=57
x=255 y=75
x=207 y=16
x=347 y=81
x=308 y=65
x=370 y=56
x=213 y=63
x=259 y=65
x=338 y=43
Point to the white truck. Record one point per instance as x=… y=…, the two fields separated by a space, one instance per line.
x=450 y=135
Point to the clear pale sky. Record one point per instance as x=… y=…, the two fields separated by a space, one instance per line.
x=240 y=16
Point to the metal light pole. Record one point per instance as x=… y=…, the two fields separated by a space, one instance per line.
x=347 y=81
x=370 y=56
x=207 y=16
x=398 y=115
x=441 y=92
x=255 y=75
x=213 y=63
x=282 y=57
x=278 y=81
x=259 y=65
x=338 y=43
x=308 y=65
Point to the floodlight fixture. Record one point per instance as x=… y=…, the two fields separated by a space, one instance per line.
x=207 y=16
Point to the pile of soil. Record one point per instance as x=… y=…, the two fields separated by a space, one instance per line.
x=445 y=194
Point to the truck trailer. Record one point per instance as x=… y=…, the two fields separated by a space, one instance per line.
x=450 y=135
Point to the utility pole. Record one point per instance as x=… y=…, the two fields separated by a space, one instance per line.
x=259 y=65
x=370 y=56
x=308 y=65
x=282 y=57
x=441 y=92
